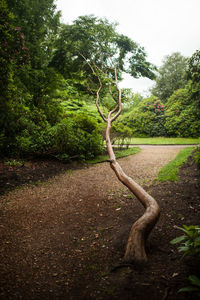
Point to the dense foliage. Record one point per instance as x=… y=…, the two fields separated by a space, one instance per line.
x=47 y=100
x=46 y=104
x=182 y=115
x=193 y=74
x=93 y=40
x=33 y=118
x=178 y=115
x=190 y=246
x=170 y=76
x=147 y=118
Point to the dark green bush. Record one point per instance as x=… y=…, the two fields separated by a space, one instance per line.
x=147 y=118
x=190 y=245
x=182 y=115
x=77 y=136
x=120 y=133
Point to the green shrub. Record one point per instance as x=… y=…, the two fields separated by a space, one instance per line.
x=147 y=118
x=182 y=115
x=194 y=287
x=190 y=241
x=120 y=132
x=77 y=136
x=190 y=245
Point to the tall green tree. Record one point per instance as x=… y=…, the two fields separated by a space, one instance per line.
x=39 y=22
x=182 y=107
x=193 y=75
x=13 y=51
x=170 y=76
x=13 y=56
x=93 y=40
x=27 y=35
x=182 y=115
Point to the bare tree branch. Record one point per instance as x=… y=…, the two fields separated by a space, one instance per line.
x=119 y=98
x=100 y=86
x=97 y=101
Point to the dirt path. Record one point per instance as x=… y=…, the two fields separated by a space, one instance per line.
x=93 y=182
x=60 y=238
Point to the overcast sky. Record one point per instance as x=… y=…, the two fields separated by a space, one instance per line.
x=160 y=26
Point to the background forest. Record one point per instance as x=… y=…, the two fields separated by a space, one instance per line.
x=47 y=100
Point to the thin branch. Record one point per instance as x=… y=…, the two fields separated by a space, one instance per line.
x=89 y=89
x=100 y=86
x=97 y=101
x=87 y=62
x=98 y=97
x=119 y=98
x=110 y=91
x=118 y=106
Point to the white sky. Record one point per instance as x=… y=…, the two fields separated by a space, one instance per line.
x=160 y=26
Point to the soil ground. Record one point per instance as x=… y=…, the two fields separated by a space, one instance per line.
x=64 y=238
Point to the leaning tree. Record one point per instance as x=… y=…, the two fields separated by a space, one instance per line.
x=95 y=55
x=135 y=248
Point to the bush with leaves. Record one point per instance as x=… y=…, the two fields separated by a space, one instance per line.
x=147 y=118
x=182 y=115
x=77 y=136
x=190 y=240
x=193 y=75
x=120 y=133
x=190 y=245
x=194 y=287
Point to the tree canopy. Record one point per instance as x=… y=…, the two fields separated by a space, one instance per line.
x=170 y=76
x=94 y=40
x=193 y=74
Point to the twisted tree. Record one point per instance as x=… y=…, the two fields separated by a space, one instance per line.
x=83 y=53
x=135 y=248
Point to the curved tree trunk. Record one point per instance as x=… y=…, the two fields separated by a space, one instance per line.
x=135 y=248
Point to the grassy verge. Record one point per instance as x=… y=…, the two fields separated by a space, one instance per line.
x=118 y=153
x=170 y=171
x=162 y=141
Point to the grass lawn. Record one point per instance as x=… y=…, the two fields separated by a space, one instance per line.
x=162 y=141
x=118 y=154
x=170 y=171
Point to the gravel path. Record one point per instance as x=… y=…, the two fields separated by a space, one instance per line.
x=93 y=181
x=50 y=234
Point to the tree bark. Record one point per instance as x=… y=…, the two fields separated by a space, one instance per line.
x=135 y=248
